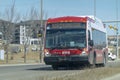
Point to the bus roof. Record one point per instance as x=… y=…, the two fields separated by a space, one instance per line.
x=95 y=22
x=67 y=19
x=72 y=19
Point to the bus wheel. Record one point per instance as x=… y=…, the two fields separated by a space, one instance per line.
x=94 y=62
x=55 y=67
x=104 y=61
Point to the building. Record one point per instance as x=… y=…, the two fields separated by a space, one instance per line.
x=27 y=32
x=21 y=32
x=7 y=29
x=112 y=40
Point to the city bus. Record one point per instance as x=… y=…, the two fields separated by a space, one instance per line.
x=75 y=40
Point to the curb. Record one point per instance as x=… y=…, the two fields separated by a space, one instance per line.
x=5 y=65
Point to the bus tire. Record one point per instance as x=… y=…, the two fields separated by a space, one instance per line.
x=55 y=67
x=104 y=60
x=93 y=65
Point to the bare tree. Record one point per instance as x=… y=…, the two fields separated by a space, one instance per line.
x=11 y=16
x=33 y=15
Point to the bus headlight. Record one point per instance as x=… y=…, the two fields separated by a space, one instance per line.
x=46 y=52
x=84 y=52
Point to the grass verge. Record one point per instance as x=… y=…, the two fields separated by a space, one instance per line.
x=88 y=74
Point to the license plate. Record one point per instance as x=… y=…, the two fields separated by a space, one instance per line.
x=62 y=59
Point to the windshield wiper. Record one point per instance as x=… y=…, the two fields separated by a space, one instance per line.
x=66 y=47
x=60 y=47
x=52 y=48
x=77 y=47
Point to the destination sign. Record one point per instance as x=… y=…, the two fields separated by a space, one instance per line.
x=66 y=25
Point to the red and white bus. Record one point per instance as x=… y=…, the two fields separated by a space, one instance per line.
x=75 y=40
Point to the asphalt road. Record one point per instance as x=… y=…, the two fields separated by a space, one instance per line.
x=32 y=72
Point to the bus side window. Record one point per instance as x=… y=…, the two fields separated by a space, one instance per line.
x=89 y=39
x=89 y=36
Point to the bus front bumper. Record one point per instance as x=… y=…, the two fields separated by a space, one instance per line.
x=55 y=60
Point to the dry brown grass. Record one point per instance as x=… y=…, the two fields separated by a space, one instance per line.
x=16 y=58
x=31 y=57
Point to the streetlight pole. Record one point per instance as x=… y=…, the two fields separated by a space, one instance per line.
x=41 y=12
x=41 y=28
x=94 y=8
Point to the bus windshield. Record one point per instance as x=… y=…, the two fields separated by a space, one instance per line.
x=65 y=38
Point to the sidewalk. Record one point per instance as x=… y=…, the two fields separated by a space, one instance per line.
x=115 y=63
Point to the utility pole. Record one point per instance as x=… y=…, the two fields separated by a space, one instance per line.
x=94 y=9
x=41 y=29
x=117 y=29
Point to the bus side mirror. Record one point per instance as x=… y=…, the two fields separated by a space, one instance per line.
x=91 y=43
